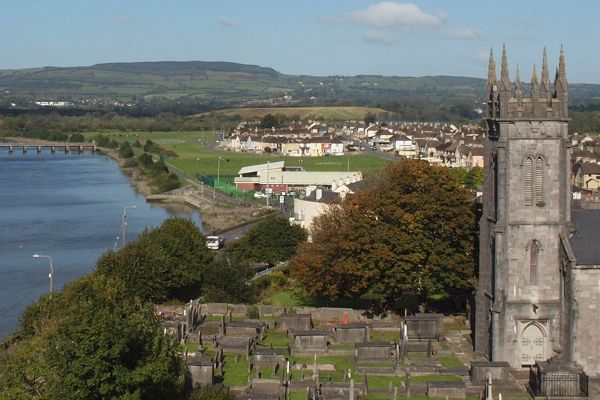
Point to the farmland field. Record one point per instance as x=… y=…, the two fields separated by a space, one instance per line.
x=319 y=113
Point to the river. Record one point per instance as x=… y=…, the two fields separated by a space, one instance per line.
x=68 y=207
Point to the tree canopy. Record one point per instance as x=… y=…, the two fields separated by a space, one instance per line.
x=95 y=341
x=163 y=263
x=410 y=232
x=271 y=241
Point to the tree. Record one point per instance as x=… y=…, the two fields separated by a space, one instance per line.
x=187 y=255
x=167 y=262
x=370 y=118
x=410 y=232
x=125 y=150
x=226 y=280
x=76 y=138
x=102 y=343
x=143 y=268
x=269 y=121
x=210 y=393
x=271 y=241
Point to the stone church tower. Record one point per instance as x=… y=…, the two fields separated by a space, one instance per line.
x=521 y=307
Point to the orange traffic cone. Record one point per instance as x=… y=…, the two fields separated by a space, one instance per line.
x=345 y=317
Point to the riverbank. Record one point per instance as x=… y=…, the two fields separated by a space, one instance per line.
x=219 y=212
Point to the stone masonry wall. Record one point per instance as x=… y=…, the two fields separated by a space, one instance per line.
x=585 y=345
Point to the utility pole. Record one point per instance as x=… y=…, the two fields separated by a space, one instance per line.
x=51 y=273
x=124 y=224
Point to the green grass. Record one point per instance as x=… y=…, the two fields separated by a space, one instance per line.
x=384 y=336
x=451 y=362
x=341 y=363
x=382 y=382
x=435 y=378
x=235 y=374
x=194 y=158
x=277 y=339
x=285 y=299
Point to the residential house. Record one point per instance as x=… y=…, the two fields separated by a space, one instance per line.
x=587 y=176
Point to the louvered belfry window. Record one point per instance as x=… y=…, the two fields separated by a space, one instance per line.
x=539 y=181
x=528 y=171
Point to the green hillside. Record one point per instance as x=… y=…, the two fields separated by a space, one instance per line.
x=149 y=88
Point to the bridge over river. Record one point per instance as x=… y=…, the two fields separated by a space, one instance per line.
x=24 y=148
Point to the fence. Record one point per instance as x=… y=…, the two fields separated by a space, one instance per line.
x=560 y=383
x=225 y=187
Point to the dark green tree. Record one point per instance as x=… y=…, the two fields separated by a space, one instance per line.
x=125 y=150
x=410 y=233
x=370 y=118
x=76 y=138
x=186 y=252
x=271 y=241
x=269 y=121
x=101 y=343
x=227 y=280
x=167 y=262
x=211 y=393
x=142 y=266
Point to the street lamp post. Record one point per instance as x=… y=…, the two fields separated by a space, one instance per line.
x=124 y=224
x=51 y=273
x=218 y=174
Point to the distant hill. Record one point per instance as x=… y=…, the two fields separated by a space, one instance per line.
x=199 y=86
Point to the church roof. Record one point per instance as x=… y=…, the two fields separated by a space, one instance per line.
x=586 y=240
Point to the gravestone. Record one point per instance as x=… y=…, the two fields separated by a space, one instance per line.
x=201 y=372
x=266 y=388
x=498 y=370
x=453 y=390
x=352 y=333
x=296 y=322
x=375 y=351
x=269 y=310
x=313 y=341
x=424 y=326
x=239 y=310
x=216 y=308
x=243 y=329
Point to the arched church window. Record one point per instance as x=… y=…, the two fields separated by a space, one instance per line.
x=528 y=180
x=534 y=251
x=539 y=181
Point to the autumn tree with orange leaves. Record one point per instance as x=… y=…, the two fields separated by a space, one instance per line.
x=410 y=232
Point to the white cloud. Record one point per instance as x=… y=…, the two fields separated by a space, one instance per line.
x=463 y=33
x=481 y=56
x=378 y=37
x=227 y=22
x=390 y=14
x=125 y=20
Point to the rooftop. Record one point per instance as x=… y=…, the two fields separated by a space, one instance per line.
x=585 y=241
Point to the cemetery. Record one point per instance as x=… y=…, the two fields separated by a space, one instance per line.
x=269 y=352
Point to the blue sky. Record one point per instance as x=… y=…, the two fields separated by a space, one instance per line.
x=324 y=37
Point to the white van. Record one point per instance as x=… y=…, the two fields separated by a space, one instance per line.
x=215 y=242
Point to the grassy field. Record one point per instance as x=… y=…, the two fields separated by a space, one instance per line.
x=194 y=157
x=322 y=113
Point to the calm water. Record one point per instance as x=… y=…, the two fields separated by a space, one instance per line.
x=65 y=206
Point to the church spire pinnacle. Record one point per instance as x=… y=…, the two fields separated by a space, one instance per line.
x=562 y=73
x=545 y=82
x=504 y=71
x=491 y=81
x=534 y=79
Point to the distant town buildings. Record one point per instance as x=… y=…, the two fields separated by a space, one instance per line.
x=437 y=143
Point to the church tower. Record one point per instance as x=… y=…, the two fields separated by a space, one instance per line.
x=520 y=309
